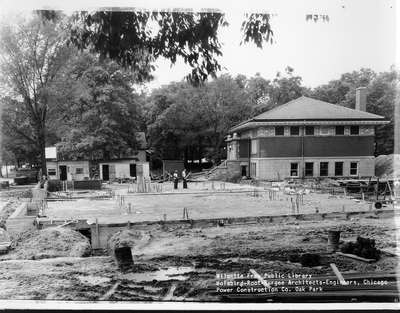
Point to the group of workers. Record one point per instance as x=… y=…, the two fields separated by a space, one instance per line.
x=184 y=178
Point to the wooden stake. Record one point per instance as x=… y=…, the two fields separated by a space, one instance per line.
x=338 y=274
x=109 y=293
x=97 y=233
x=260 y=279
x=170 y=293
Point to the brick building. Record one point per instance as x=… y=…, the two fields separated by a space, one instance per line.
x=306 y=138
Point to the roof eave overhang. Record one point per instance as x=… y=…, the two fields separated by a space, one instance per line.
x=258 y=123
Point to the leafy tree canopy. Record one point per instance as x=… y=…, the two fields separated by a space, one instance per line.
x=135 y=39
x=102 y=115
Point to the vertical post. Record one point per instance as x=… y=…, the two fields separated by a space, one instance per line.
x=302 y=150
x=97 y=234
x=249 y=154
x=377 y=188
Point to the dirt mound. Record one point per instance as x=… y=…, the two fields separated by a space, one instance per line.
x=128 y=238
x=384 y=164
x=50 y=243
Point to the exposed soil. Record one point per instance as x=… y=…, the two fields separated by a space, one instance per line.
x=181 y=264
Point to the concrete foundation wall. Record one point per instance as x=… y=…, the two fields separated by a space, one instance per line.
x=277 y=169
x=100 y=234
x=19 y=222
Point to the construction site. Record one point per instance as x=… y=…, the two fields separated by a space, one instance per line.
x=149 y=241
x=233 y=154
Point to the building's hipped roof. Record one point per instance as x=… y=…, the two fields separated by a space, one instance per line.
x=308 y=109
x=305 y=108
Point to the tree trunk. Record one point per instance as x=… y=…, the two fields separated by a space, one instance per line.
x=217 y=147
x=42 y=149
x=185 y=156
x=192 y=154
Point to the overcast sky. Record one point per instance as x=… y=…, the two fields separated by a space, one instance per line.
x=360 y=33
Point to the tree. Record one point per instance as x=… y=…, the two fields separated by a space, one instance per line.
x=16 y=146
x=171 y=119
x=135 y=39
x=343 y=90
x=225 y=105
x=192 y=122
x=33 y=54
x=266 y=95
x=258 y=90
x=380 y=99
x=102 y=114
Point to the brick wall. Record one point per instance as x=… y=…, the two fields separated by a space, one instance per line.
x=276 y=169
x=314 y=146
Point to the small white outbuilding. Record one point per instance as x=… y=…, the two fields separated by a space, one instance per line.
x=123 y=168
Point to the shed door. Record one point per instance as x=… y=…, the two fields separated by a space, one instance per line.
x=132 y=170
x=106 y=172
x=63 y=172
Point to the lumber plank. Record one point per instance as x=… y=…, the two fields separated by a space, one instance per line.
x=356 y=257
x=338 y=274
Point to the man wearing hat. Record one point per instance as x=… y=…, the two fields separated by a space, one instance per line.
x=176 y=179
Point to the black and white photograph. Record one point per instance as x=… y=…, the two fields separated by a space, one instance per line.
x=183 y=153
